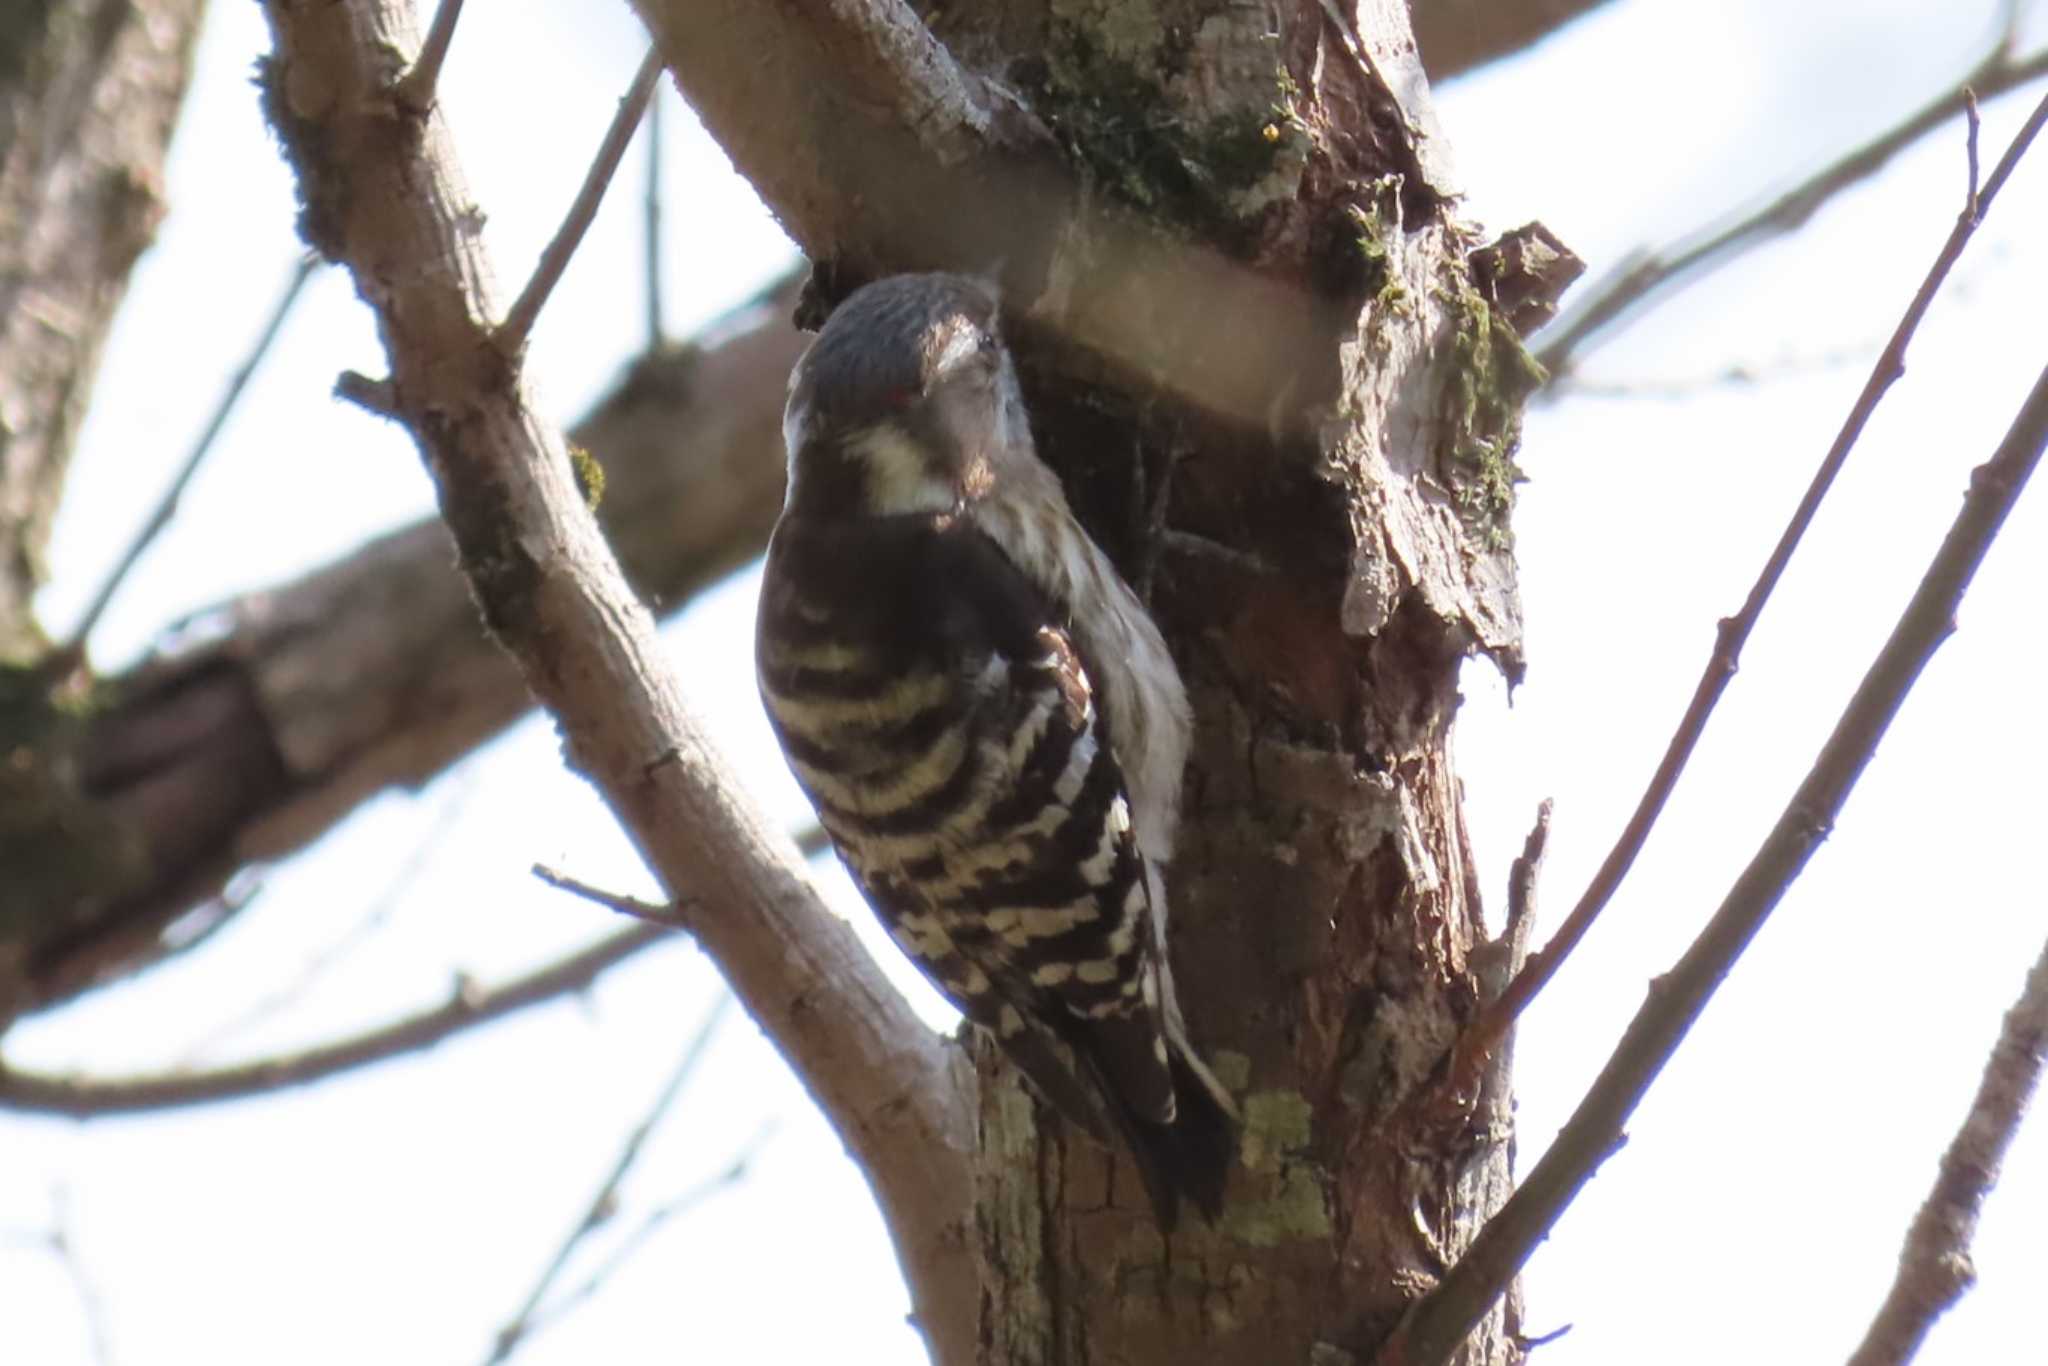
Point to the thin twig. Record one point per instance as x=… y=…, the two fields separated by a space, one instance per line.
x=652 y=912
x=416 y=88
x=1976 y=126
x=627 y=1246
x=1439 y=1321
x=657 y=331
x=167 y=507
x=1739 y=373
x=602 y=1202
x=1485 y=1032
x=62 y=1243
x=84 y=1097
x=511 y=334
x=1935 y=1269
x=1689 y=259
x=426 y=845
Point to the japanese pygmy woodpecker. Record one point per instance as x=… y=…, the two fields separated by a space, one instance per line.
x=987 y=720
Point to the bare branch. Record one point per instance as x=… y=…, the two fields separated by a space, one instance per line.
x=512 y=333
x=601 y=1204
x=1935 y=1268
x=89 y=92
x=426 y=844
x=1692 y=258
x=661 y=1216
x=167 y=507
x=1485 y=1031
x=657 y=331
x=300 y=700
x=416 y=89
x=553 y=596
x=468 y=1006
x=1439 y=1320
x=61 y=1243
x=671 y=916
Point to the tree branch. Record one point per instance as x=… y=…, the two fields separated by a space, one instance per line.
x=881 y=152
x=302 y=700
x=88 y=95
x=466 y=1007
x=1439 y=1320
x=512 y=333
x=1688 y=260
x=600 y=1207
x=167 y=506
x=381 y=186
x=1486 y=1031
x=1935 y=1268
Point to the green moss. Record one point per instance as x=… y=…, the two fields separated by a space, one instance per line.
x=1277 y=1130
x=1376 y=223
x=1275 y=1123
x=1103 y=97
x=1232 y=1068
x=1126 y=30
x=1295 y=1212
x=1491 y=379
x=589 y=475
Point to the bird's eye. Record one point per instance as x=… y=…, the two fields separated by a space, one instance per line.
x=987 y=353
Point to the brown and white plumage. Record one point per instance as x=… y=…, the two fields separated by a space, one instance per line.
x=989 y=723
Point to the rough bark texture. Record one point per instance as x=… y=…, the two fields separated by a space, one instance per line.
x=305 y=699
x=89 y=90
x=1228 y=262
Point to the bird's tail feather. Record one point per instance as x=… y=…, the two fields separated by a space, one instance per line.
x=1190 y=1156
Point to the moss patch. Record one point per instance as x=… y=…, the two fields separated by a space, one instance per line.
x=1490 y=382
x=1276 y=1134
x=589 y=475
x=1107 y=103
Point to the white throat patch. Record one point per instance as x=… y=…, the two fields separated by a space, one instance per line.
x=899 y=474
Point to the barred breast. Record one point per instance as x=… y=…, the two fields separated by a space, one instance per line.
x=948 y=732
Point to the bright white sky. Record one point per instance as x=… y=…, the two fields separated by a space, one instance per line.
x=402 y=1213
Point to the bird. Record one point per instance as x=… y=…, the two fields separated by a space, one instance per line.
x=987 y=719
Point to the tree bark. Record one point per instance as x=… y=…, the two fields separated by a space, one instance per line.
x=89 y=90
x=1230 y=265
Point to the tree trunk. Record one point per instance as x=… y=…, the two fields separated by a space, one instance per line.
x=1253 y=312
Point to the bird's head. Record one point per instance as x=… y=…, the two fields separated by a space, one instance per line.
x=906 y=403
